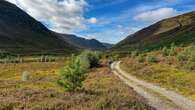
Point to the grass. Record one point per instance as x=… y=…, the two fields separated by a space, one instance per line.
x=42 y=75
x=167 y=73
x=101 y=90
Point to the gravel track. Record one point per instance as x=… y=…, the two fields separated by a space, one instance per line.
x=157 y=97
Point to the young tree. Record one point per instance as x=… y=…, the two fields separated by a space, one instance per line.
x=72 y=75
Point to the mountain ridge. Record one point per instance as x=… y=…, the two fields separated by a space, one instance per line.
x=179 y=30
x=82 y=43
x=22 y=34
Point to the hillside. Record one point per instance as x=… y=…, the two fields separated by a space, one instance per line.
x=22 y=34
x=178 y=30
x=82 y=42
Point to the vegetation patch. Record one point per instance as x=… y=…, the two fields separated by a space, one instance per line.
x=100 y=91
x=174 y=68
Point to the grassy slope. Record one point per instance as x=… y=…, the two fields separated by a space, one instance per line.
x=22 y=34
x=179 y=30
x=167 y=73
x=103 y=91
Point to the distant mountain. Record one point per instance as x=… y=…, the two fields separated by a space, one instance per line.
x=22 y=34
x=83 y=43
x=107 y=45
x=179 y=30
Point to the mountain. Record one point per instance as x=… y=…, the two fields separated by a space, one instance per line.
x=107 y=45
x=22 y=34
x=179 y=30
x=83 y=43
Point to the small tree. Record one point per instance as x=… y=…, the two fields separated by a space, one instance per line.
x=72 y=75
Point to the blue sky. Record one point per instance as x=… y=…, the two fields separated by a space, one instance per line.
x=106 y=20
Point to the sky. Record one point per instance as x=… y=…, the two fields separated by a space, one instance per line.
x=105 y=20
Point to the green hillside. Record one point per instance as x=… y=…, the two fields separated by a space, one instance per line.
x=179 y=30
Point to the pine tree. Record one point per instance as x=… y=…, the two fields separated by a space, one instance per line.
x=72 y=75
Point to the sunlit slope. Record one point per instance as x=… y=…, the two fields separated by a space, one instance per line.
x=178 y=30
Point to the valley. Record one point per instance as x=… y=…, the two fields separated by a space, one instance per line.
x=68 y=55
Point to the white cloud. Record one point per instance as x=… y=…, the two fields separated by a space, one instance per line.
x=156 y=15
x=92 y=20
x=90 y=37
x=64 y=15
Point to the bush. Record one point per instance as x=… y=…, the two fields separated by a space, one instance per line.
x=141 y=58
x=173 y=50
x=25 y=76
x=165 y=51
x=89 y=59
x=134 y=54
x=187 y=57
x=192 y=56
x=190 y=66
x=188 y=54
x=152 y=59
x=182 y=57
x=72 y=75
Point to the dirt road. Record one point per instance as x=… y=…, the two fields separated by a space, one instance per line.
x=159 y=98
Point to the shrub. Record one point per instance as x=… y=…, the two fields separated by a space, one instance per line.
x=89 y=59
x=141 y=58
x=187 y=57
x=72 y=75
x=152 y=59
x=134 y=54
x=192 y=56
x=93 y=60
x=25 y=76
x=165 y=51
x=188 y=54
x=173 y=50
x=190 y=66
x=182 y=57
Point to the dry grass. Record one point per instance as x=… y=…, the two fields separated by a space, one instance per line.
x=101 y=91
x=113 y=94
x=42 y=75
